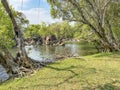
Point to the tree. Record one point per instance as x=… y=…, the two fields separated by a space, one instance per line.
x=93 y=13
x=6 y=34
x=14 y=65
x=65 y=30
x=60 y=30
x=32 y=31
x=44 y=30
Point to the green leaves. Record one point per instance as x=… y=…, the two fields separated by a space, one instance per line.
x=6 y=29
x=60 y=30
x=6 y=34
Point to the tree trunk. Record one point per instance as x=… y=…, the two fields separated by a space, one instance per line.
x=16 y=30
x=107 y=41
x=11 y=64
x=8 y=62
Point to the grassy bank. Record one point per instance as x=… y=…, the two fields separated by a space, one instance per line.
x=96 y=72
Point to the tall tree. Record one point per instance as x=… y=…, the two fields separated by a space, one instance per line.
x=12 y=64
x=90 y=12
x=16 y=30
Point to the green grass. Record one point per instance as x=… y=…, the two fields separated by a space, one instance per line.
x=96 y=72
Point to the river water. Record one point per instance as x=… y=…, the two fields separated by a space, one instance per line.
x=42 y=53
x=49 y=53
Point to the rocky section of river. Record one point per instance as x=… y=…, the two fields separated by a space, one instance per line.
x=48 y=40
x=3 y=75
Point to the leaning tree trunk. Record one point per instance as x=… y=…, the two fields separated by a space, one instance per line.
x=7 y=60
x=21 y=59
x=16 y=30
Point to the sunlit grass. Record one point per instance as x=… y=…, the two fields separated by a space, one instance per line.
x=96 y=72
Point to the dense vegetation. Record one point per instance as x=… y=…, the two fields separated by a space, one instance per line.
x=7 y=37
x=6 y=34
x=101 y=16
x=60 y=30
x=106 y=34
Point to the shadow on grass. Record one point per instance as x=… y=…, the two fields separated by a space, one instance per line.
x=65 y=79
x=108 y=54
x=106 y=86
x=68 y=69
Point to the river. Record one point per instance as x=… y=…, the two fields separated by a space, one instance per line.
x=49 y=53
x=42 y=53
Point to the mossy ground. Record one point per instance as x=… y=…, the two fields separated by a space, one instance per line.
x=96 y=72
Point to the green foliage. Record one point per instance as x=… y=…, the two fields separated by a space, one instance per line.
x=37 y=31
x=52 y=12
x=7 y=37
x=102 y=17
x=44 y=30
x=60 y=30
x=6 y=34
x=32 y=31
x=113 y=15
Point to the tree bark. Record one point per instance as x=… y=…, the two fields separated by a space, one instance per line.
x=16 y=30
x=107 y=41
x=21 y=57
x=12 y=64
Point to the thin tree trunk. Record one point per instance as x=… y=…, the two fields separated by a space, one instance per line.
x=21 y=57
x=21 y=64
x=16 y=30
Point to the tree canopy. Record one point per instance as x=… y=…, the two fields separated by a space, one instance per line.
x=98 y=15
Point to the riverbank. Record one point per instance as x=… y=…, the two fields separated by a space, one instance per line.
x=96 y=72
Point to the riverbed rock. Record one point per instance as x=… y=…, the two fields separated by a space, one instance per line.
x=50 y=40
x=3 y=75
x=44 y=40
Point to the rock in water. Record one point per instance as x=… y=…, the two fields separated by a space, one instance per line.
x=3 y=75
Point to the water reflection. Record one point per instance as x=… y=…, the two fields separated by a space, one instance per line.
x=50 y=52
x=33 y=52
x=42 y=53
